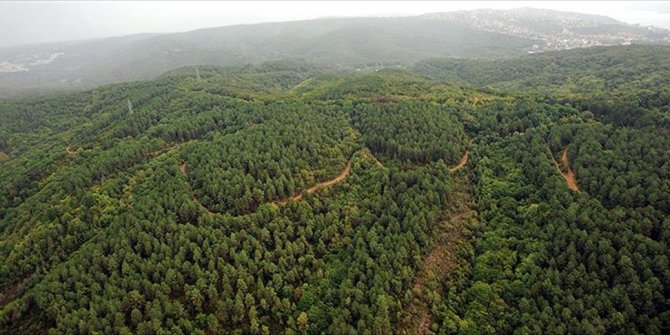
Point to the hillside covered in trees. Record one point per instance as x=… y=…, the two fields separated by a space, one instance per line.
x=291 y=198
x=340 y=42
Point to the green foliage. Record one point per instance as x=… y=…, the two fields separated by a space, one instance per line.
x=164 y=218
x=190 y=212
x=412 y=131
x=578 y=72
x=550 y=260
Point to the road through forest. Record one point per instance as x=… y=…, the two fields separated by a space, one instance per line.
x=569 y=175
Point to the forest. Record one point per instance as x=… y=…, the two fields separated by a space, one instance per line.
x=451 y=197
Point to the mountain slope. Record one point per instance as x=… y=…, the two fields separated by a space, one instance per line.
x=347 y=42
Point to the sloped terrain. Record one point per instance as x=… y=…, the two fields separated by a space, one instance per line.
x=157 y=206
x=338 y=42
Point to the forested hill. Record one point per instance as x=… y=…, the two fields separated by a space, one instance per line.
x=344 y=42
x=292 y=198
x=611 y=82
x=571 y=72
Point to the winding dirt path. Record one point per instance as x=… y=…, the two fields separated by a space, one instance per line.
x=340 y=177
x=440 y=263
x=462 y=162
x=368 y=154
x=318 y=187
x=464 y=159
x=570 y=174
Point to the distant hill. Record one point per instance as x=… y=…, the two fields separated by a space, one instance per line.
x=358 y=42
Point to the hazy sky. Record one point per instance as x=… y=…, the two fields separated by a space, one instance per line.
x=37 y=22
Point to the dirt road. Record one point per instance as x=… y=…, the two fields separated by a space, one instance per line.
x=462 y=162
x=343 y=174
x=569 y=175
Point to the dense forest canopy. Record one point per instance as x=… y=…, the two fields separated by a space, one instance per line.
x=293 y=198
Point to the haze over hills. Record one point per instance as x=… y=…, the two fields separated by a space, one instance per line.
x=348 y=42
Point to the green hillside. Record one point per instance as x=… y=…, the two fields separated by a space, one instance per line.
x=348 y=43
x=572 y=72
x=294 y=198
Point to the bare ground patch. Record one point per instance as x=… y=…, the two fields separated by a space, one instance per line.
x=440 y=263
x=569 y=176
